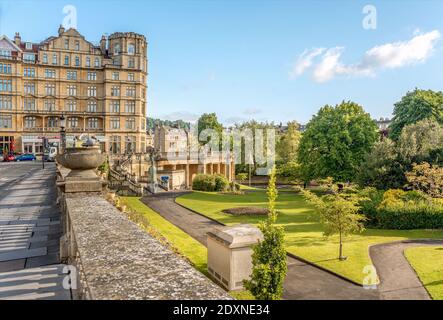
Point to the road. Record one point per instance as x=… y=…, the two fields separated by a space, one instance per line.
x=30 y=233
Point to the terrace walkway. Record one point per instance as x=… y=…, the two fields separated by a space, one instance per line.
x=29 y=233
x=303 y=280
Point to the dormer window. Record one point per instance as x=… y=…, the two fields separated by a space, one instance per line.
x=131 y=48
x=28 y=46
x=29 y=57
x=66 y=44
x=77 y=45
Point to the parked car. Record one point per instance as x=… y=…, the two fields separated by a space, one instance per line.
x=9 y=157
x=26 y=157
x=49 y=158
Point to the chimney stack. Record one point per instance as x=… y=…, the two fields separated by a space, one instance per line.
x=17 y=39
x=61 y=30
x=103 y=44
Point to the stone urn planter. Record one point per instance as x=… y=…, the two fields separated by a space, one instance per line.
x=82 y=161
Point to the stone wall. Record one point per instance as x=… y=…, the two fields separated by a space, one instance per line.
x=118 y=260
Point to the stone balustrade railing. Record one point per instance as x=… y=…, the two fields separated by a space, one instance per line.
x=116 y=259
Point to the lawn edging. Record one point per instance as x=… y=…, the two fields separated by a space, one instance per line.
x=287 y=252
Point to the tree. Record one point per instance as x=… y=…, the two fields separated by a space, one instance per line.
x=415 y=106
x=254 y=126
x=269 y=256
x=426 y=178
x=209 y=121
x=417 y=140
x=336 y=142
x=287 y=146
x=338 y=215
x=381 y=168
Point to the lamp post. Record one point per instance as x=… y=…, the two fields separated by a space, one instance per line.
x=62 y=133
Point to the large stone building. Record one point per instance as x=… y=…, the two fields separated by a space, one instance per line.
x=99 y=89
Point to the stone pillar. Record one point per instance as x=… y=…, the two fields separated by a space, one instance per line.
x=230 y=254
x=188 y=175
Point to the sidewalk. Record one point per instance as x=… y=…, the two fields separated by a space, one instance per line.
x=29 y=235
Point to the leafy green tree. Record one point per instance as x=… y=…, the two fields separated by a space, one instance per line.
x=338 y=215
x=336 y=142
x=381 y=167
x=426 y=178
x=254 y=126
x=269 y=256
x=209 y=121
x=415 y=106
x=417 y=140
x=386 y=165
x=287 y=146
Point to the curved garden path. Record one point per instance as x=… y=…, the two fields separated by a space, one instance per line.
x=398 y=280
x=306 y=281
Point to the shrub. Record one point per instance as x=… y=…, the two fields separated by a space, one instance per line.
x=242 y=177
x=409 y=210
x=427 y=178
x=221 y=182
x=207 y=182
x=370 y=199
x=269 y=256
x=204 y=182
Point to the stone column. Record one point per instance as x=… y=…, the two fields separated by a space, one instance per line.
x=230 y=254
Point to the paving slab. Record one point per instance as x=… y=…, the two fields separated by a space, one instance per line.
x=30 y=234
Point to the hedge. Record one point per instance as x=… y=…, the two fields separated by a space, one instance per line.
x=398 y=209
x=207 y=182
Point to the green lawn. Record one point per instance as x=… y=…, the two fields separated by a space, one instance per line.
x=428 y=263
x=193 y=250
x=303 y=232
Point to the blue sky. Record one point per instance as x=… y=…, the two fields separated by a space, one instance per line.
x=244 y=59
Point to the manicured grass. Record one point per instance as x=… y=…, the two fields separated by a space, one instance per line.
x=428 y=263
x=304 y=236
x=187 y=246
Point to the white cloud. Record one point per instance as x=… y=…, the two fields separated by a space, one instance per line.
x=387 y=56
x=304 y=61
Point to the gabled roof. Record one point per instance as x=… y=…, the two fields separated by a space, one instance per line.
x=10 y=42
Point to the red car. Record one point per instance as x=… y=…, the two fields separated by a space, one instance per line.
x=9 y=157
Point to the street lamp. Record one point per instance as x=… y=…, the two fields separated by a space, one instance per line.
x=62 y=132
